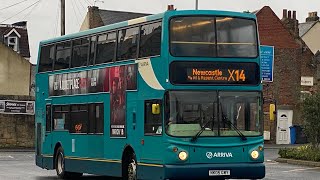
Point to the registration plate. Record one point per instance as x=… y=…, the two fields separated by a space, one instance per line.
x=219 y=172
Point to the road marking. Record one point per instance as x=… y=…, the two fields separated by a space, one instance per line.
x=7 y=157
x=294 y=170
x=271 y=163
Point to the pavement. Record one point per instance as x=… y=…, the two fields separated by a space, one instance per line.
x=17 y=149
x=278 y=146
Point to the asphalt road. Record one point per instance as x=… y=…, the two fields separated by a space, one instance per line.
x=20 y=165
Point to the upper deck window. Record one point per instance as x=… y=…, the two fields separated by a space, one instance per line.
x=150 y=40
x=106 y=47
x=63 y=55
x=46 y=58
x=127 y=43
x=213 y=37
x=80 y=52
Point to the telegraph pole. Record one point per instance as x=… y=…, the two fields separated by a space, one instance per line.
x=196 y=4
x=63 y=17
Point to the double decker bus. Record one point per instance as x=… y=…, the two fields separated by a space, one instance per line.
x=175 y=95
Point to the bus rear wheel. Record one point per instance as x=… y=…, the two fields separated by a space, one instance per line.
x=60 y=166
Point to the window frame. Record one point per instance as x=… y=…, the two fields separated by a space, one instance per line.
x=15 y=45
x=71 y=111
x=80 y=46
x=56 y=50
x=145 y=24
x=61 y=111
x=53 y=60
x=137 y=45
x=94 y=49
x=95 y=118
x=94 y=44
x=216 y=39
x=49 y=120
x=115 y=48
x=157 y=101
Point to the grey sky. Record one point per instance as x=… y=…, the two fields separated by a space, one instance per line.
x=43 y=24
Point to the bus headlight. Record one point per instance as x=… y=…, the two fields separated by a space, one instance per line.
x=183 y=155
x=254 y=154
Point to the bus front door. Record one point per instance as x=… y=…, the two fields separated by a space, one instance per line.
x=152 y=140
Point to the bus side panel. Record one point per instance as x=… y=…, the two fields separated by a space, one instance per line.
x=100 y=167
x=150 y=172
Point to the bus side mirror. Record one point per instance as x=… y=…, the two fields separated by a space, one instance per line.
x=272 y=112
x=155 y=109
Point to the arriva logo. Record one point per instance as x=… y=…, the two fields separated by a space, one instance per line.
x=211 y=155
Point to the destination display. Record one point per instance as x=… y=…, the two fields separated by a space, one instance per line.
x=219 y=73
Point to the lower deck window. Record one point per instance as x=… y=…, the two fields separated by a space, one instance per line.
x=79 y=118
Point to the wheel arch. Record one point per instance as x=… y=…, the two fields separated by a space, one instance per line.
x=127 y=150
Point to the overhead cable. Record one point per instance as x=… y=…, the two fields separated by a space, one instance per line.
x=75 y=14
x=13 y=5
x=20 y=11
x=31 y=10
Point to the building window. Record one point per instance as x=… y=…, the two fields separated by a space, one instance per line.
x=13 y=43
x=152 y=120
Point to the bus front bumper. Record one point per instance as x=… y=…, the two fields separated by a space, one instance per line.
x=201 y=171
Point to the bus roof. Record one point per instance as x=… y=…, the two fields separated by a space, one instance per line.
x=145 y=19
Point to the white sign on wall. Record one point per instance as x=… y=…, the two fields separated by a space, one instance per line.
x=16 y=107
x=306 y=81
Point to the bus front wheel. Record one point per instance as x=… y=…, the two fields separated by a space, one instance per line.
x=60 y=166
x=131 y=168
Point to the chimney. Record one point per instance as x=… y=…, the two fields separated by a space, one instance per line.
x=289 y=15
x=294 y=15
x=313 y=16
x=290 y=21
x=94 y=17
x=284 y=15
x=170 y=7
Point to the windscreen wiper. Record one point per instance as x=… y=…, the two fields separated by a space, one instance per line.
x=194 y=138
x=243 y=137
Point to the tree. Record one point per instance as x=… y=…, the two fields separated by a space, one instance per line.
x=311 y=117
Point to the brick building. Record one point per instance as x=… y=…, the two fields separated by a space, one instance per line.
x=292 y=62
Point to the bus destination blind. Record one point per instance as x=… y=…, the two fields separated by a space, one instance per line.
x=220 y=73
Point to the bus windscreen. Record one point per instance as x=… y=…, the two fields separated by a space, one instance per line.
x=214 y=73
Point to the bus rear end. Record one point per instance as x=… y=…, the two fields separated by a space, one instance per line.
x=213 y=102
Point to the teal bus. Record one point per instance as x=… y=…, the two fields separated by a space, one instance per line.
x=175 y=95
